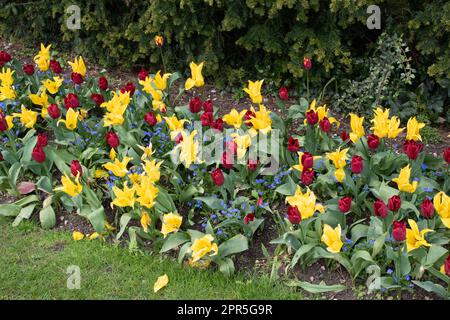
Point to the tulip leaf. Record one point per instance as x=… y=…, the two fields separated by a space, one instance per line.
x=433 y=287
x=236 y=244
x=124 y=219
x=288 y=188
x=9 y=210
x=316 y=288
x=47 y=217
x=174 y=240
x=434 y=253
x=25 y=213
x=226 y=266
x=211 y=202
x=300 y=252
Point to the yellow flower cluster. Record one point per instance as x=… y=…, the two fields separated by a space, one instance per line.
x=115 y=108
x=7 y=85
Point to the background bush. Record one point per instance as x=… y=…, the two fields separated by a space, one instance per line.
x=252 y=38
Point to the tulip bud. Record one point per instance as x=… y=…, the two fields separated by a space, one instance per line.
x=249 y=218
x=102 y=83
x=283 y=93
x=150 y=118
x=75 y=168
x=53 y=111
x=344 y=204
x=41 y=140
x=293 y=215
x=195 y=105
x=399 y=231
x=427 y=208
x=38 y=154
x=208 y=106
x=394 y=203
x=217 y=177
x=307 y=63
x=357 y=164
x=373 y=141
x=380 y=209
x=447 y=155
x=207 y=118
x=112 y=139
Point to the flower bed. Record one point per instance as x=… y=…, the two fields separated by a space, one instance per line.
x=186 y=180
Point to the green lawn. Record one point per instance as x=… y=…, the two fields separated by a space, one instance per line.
x=33 y=265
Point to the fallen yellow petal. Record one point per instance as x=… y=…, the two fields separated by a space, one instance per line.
x=77 y=236
x=161 y=283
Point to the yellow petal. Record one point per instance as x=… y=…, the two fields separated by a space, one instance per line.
x=160 y=283
x=77 y=236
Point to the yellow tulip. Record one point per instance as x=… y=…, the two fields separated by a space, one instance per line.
x=394 y=128
x=380 y=123
x=161 y=81
x=147 y=151
x=413 y=129
x=356 y=124
x=196 y=78
x=414 y=237
x=112 y=154
x=71 y=119
x=7 y=93
x=40 y=100
x=146 y=192
x=441 y=203
x=78 y=66
x=322 y=112
x=339 y=174
x=42 y=59
x=94 y=236
x=160 y=283
x=189 y=149
x=402 y=181
x=27 y=117
x=114 y=116
x=234 y=118
x=175 y=125
x=170 y=223
x=332 y=238
x=125 y=197
x=151 y=87
x=135 y=178
x=338 y=157
x=242 y=142
x=9 y=122
x=53 y=86
x=299 y=166
x=152 y=168
x=6 y=77
x=261 y=121
x=305 y=203
x=118 y=168
x=68 y=186
x=77 y=236
x=99 y=174
x=203 y=246
x=254 y=91
x=145 y=221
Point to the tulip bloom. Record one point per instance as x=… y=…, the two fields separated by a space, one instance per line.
x=254 y=91
x=118 y=168
x=441 y=203
x=305 y=203
x=380 y=209
x=68 y=186
x=38 y=154
x=76 y=169
x=413 y=129
x=161 y=81
x=293 y=215
x=402 y=181
x=42 y=59
x=170 y=223
x=152 y=169
x=399 y=231
x=380 y=123
x=307 y=63
x=283 y=93
x=394 y=203
x=356 y=124
x=415 y=238
x=234 y=118
x=195 y=105
x=332 y=238
x=78 y=66
x=71 y=101
x=196 y=79
x=189 y=149
x=338 y=158
x=146 y=191
x=357 y=164
x=249 y=218
x=159 y=40
x=344 y=204
x=427 y=208
x=261 y=121
x=145 y=221
x=175 y=126
x=27 y=117
x=373 y=141
x=446 y=155
x=102 y=83
x=124 y=198
x=293 y=144
x=53 y=111
x=112 y=139
x=394 y=128
x=217 y=177
x=71 y=119
x=412 y=149
x=53 y=86
x=203 y=246
x=307 y=177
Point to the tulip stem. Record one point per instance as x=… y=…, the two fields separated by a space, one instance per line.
x=162 y=59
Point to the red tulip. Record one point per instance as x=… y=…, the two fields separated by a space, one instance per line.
x=76 y=78
x=97 y=98
x=38 y=154
x=252 y=164
x=227 y=160
x=56 y=67
x=195 y=105
x=427 y=208
x=249 y=115
x=399 y=231
x=447 y=155
x=394 y=203
x=249 y=218
x=71 y=101
x=207 y=118
x=307 y=160
x=380 y=209
x=357 y=164
x=344 y=204
x=293 y=215
x=112 y=139
x=217 y=177
x=102 y=83
x=3 y=123
x=447 y=266
x=208 y=106
x=142 y=74
x=293 y=144
x=53 y=111
x=231 y=147
x=307 y=176
x=373 y=141
x=283 y=93
x=218 y=124
x=325 y=124
x=129 y=87
x=345 y=136
x=4 y=58
x=412 y=149
x=178 y=138
x=150 y=118
x=312 y=117
x=28 y=69
x=75 y=168
x=307 y=63
x=41 y=140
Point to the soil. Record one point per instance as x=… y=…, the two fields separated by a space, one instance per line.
x=253 y=259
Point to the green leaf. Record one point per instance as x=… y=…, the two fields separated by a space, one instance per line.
x=9 y=210
x=300 y=252
x=234 y=245
x=316 y=288
x=432 y=287
x=164 y=202
x=124 y=219
x=47 y=217
x=288 y=188
x=211 y=202
x=434 y=254
x=25 y=213
x=174 y=240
